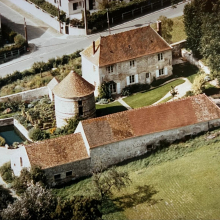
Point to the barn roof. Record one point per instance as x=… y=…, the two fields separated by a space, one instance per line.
x=126 y=45
x=57 y=151
x=72 y=86
x=147 y=120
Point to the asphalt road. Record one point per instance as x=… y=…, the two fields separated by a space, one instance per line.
x=48 y=43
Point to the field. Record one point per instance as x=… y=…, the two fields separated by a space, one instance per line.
x=178 y=182
x=152 y=96
x=110 y=108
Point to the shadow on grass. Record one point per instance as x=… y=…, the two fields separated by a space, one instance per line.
x=109 y=110
x=185 y=69
x=143 y=194
x=212 y=91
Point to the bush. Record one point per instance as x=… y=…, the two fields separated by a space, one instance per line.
x=6 y=172
x=37 y=134
x=2 y=141
x=128 y=90
x=19 y=39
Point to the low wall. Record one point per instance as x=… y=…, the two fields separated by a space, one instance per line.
x=22 y=129
x=189 y=57
x=6 y=121
x=176 y=52
x=76 y=31
x=29 y=95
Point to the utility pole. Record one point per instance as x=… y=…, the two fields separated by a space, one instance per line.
x=108 y=22
x=58 y=2
x=85 y=18
x=25 y=32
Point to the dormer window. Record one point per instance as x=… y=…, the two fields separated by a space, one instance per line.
x=132 y=63
x=160 y=56
x=109 y=69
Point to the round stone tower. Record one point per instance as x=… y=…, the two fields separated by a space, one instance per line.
x=73 y=96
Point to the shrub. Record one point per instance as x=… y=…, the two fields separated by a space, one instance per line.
x=37 y=134
x=128 y=90
x=19 y=39
x=2 y=141
x=6 y=172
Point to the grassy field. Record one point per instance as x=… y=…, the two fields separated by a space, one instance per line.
x=185 y=70
x=178 y=32
x=166 y=99
x=178 y=182
x=152 y=96
x=111 y=108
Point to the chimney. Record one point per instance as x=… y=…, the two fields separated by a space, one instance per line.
x=94 y=47
x=159 y=28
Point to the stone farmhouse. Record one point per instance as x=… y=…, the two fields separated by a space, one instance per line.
x=117 y=137
x=137 y=56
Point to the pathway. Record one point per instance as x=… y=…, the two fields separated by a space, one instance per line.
x=124 y=103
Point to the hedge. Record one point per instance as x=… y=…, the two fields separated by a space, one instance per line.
x=45 y=66
x=51 y=9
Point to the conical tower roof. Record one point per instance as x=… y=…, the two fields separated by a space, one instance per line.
x=73 y=85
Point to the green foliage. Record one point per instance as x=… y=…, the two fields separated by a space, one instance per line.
x=71 y=125
x=104 y=91
x=105 y=182
x=79 y=207
x=199 y=84
x=8 y=33
x=5 y=198
x=36 y=203
x=129 y=90
x=167 y=28
x=37 y=134
x=19 y=39
x=2 y=141
x=6 y=172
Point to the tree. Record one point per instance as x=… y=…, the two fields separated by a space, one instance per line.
x=37 y=203
x=167 y=28
x=105 y=182
x=199 y=84
x=71 y=125
x=5 y=198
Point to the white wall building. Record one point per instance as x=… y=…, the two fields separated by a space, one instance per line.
x=136 y=56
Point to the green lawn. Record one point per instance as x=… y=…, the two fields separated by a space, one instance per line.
x=8 y=115
x=185 y=70
x=113 y=107
x=166 y=99
x=178 y=182
x=152 y=96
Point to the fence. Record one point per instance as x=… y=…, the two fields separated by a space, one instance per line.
x=12 y=54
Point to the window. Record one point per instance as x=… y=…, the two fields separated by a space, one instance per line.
x=80 y=102
x=80 y=111
x=75 y=6
x=161 y=72
x=132 y=63
x=69 y=173
x=112 y=88
x=160 y=56
x=60 y=3
x=109 y=69
x=131 y=78
x=21 y=162
x=57 y=177
x=147 y=75
x=55 y=1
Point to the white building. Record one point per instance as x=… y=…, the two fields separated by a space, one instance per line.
x=137 y=56
x=117 y=137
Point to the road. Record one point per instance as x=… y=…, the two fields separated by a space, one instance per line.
x=49 y=44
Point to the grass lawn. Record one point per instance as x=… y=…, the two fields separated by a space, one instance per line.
x=186 y=70
x=152 y=96
x=8 y=115
x=178 y=182
x=166 y=99
x=111 y=108
x=178 y=32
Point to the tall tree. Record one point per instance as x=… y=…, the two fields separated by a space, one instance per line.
x=167 y=28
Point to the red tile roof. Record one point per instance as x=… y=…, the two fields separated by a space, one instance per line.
x=126 y=46
x=146 y=120
x=73 y=85
x=57 y=151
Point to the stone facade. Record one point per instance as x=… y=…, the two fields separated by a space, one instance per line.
x=68 y=108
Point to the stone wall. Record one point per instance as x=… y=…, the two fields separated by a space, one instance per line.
x=116 y=152
x=22 y=129
x=29 y=95
x=79 y=169
x=176 y=52
x=6 y=121
x=189 y=57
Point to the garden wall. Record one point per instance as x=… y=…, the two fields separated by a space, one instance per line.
x=176 y=52
x=189 y=57
x=29 y=95
x=22 y=129
x=6 y=121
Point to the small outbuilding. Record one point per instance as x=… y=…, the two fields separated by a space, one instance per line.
x=73 y=96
